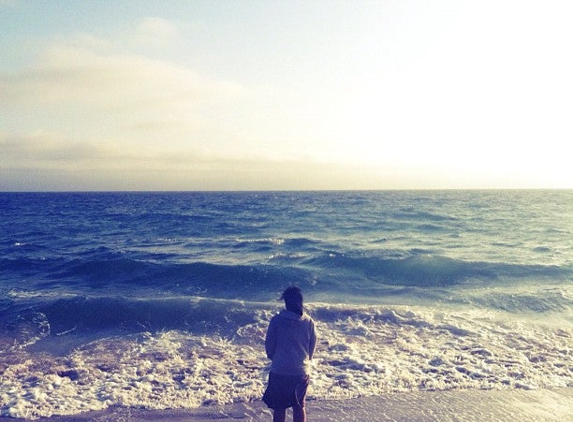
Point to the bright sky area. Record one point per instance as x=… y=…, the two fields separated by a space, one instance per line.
x=265 y=95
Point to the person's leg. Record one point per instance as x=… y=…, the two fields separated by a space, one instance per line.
x=298 y=414
x=279 y=415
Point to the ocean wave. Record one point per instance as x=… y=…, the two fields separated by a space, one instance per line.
x=426 y=270
x=540 y=301
x=31 y=319
x=316 y=270
x=28 y=318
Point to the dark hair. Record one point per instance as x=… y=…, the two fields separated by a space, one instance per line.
x=293 y=299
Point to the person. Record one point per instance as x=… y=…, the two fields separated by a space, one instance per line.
x=289 y=343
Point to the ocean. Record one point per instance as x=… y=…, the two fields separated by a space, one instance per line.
x=161 y=300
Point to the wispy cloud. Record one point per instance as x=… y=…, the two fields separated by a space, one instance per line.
x=86 y=86
x=51 y=164
x=86 y=107
x=155 y=32
x=46 y=150
x=73 y=74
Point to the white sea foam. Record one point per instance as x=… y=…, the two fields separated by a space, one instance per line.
x=363 y=351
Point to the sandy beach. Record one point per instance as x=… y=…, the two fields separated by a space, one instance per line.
x=467 y=405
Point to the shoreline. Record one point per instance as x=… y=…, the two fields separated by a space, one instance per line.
x=542 y=405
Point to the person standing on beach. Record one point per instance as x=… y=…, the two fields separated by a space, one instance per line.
x=289 y=344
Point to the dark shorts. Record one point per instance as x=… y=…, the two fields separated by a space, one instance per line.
x=285 y=391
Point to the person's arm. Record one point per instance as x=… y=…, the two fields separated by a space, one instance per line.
x=271 y=339
x=311 y=340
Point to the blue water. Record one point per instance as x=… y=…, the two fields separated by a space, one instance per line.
x=82 y=267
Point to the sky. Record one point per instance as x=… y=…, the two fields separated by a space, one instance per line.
x=285 y=95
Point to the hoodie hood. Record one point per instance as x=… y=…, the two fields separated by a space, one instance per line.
x=285 y=313
x=292 y=318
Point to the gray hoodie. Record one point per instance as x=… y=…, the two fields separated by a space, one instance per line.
x=290 y=343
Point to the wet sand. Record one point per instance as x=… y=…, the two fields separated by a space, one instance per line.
x=466 y=405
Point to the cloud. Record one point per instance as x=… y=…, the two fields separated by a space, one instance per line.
x=45 y=150
x=85 y=86
x=155 y=32
x=43 y=161
x=92 y=116
x=50 y=150
x=68 y=74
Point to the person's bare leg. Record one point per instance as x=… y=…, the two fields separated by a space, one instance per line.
x=298 y=414
x=279 y=415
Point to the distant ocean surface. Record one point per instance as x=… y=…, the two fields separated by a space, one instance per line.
x=161 y=300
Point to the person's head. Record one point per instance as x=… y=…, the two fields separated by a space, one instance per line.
x=293 y=299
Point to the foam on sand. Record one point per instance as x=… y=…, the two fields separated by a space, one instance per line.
x=439 y=406
x=363 y=351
